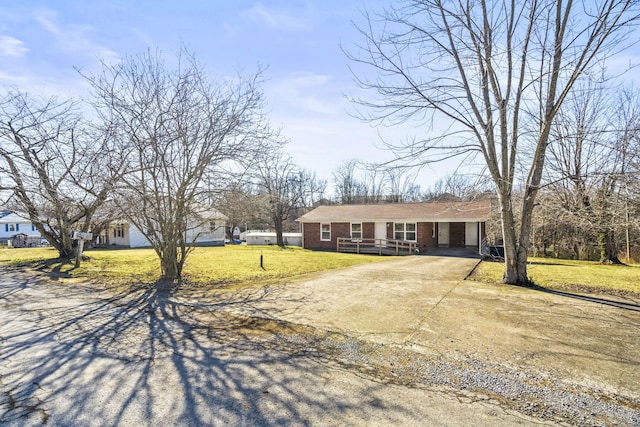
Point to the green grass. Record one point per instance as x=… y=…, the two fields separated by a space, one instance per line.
x=228 y=266
x=560 y=274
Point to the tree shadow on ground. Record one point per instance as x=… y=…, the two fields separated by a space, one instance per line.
x=624 y=305
x=146 y=356
x=553 y=264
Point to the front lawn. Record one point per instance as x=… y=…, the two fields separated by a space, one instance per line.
x=221 y=266
x=561 y=274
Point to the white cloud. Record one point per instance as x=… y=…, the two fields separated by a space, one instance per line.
x=46 y=19
x=10 y=46
x=279 y=20
x=74 y=38
x=310 y=92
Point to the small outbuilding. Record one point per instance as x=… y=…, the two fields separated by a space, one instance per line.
x=266 y=238
x=22 y=240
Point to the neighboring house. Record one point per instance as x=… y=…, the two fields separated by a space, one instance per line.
x=123 y=233
x=269 y=238
x=429 y=225
x=12 y=224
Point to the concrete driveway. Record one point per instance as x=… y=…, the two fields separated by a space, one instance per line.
x=590 y=343
x=386 y=302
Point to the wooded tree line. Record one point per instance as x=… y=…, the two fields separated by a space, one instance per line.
x=589 y=207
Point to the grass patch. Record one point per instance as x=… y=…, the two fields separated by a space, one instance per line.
x=569 y=275
x=221 y=266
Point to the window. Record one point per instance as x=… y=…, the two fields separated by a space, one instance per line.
x=410 y=233
x=405 y=231
x=10 y=227
x=356 y=231
x=325 y=231
x=118 y=230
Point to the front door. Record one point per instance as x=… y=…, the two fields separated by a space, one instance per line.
x=381 y=234
x=471 y=234
x=443 y=234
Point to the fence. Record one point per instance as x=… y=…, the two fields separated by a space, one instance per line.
x=376 y=246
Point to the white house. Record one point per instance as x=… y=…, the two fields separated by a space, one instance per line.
x=209 y=232
x=12 y=224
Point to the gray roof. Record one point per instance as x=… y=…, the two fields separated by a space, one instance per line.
x=402 y=212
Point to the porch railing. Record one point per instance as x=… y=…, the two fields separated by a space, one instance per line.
x=376 y=246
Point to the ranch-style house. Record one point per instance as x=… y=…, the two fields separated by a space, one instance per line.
x=417 y=226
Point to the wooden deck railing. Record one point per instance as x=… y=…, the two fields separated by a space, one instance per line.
x=376 y=246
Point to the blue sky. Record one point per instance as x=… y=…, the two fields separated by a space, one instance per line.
x=299 y=41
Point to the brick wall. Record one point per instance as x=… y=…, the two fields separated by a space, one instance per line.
x=368 y=230
x=312 y=235
x=343 y=229
x=456 y=234
x=425 y=239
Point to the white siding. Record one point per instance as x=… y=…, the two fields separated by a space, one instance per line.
x=267 y=238
x=136 y=238
x=12 y=224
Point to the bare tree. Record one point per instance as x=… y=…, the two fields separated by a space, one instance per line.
x=401 y=186
x=495 y=75
x=311 y=189
x=349 y=189
x=357 y=182
x=459 y=187
x=242 y=204
x=59 y=169
x=176 y=127
x=588 y=162
x=279 y=178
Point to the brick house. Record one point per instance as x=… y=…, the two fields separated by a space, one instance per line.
x=429 y=224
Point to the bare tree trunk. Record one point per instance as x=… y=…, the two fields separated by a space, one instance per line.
x=170 y=265
x=607 y=246
x=515 y=260
x=279 y=231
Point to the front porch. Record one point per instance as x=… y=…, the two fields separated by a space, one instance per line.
x=376 y=246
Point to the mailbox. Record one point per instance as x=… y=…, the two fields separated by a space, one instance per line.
x=78 y=235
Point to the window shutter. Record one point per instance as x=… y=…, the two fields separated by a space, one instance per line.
x=6 y=228
x=17 y=227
